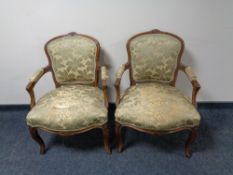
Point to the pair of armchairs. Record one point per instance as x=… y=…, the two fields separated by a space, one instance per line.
x=151 y=104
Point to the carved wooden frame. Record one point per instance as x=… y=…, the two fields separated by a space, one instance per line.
x=195 y=88
x=30 y=88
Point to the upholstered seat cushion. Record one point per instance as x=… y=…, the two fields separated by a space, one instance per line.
x=158 y=107
x=69 y=108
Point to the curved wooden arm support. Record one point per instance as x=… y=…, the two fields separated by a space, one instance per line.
x=119 y=74
x=35 y=78
x=193 y=79
x=104 y=78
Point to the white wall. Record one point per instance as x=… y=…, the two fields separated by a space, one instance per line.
x=206 y=27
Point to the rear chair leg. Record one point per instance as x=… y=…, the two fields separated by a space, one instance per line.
x=192 y=136
x=105 y=131
x=37 y=138
x=119 y=137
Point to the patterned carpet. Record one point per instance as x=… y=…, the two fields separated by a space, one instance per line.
x=143 y=154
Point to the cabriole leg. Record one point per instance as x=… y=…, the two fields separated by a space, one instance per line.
x=192 y=136
x=120 y=143
x=37 y=138
x=105 y=131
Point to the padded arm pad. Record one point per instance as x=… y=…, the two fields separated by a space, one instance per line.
x=37 y=75
x=120 y=71
x=104 y=73
x=191 y=75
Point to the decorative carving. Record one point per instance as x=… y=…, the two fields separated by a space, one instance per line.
x=196 y=87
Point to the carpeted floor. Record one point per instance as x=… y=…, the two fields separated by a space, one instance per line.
x=143 y=154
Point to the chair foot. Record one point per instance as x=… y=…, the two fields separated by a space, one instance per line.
x=105 y=131
x=119 y=137
x=37 y=138
x=192 y=136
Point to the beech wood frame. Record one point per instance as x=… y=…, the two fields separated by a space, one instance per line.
x=30 y=88
x=195 y=88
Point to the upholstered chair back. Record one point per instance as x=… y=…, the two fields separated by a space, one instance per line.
x=73 y=58
x=154 y=56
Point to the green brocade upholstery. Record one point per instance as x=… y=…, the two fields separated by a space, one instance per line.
x=37 y=75
x=154 y=57
x=69 y=108
x=73 y=59
x=158 y=107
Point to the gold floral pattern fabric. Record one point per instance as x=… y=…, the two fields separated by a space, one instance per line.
x=37 y=75
x=158 y=107
x=73 y=59
x=154 y=57
x=120 y=71
x=69 y=108
x=191 y=75
x=104 y=73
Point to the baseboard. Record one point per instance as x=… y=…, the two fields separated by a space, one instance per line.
x=112 y=106
x=15 y=107
x=215 y=104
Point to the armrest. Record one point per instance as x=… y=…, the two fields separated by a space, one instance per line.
x=104 y=73
x=189 y=72
x=119 y=74
x=193 y=80
x=32 y=82
x=104 y=78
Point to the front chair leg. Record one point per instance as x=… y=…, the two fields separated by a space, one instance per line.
x=37 y=138
x=119 y=137
x=192 y=136
x=105 y=131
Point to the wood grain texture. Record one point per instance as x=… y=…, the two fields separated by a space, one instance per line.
x=196 y=87
x=30 y=88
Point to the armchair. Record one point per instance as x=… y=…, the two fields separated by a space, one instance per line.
x=152 y=104
x=77 y=104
